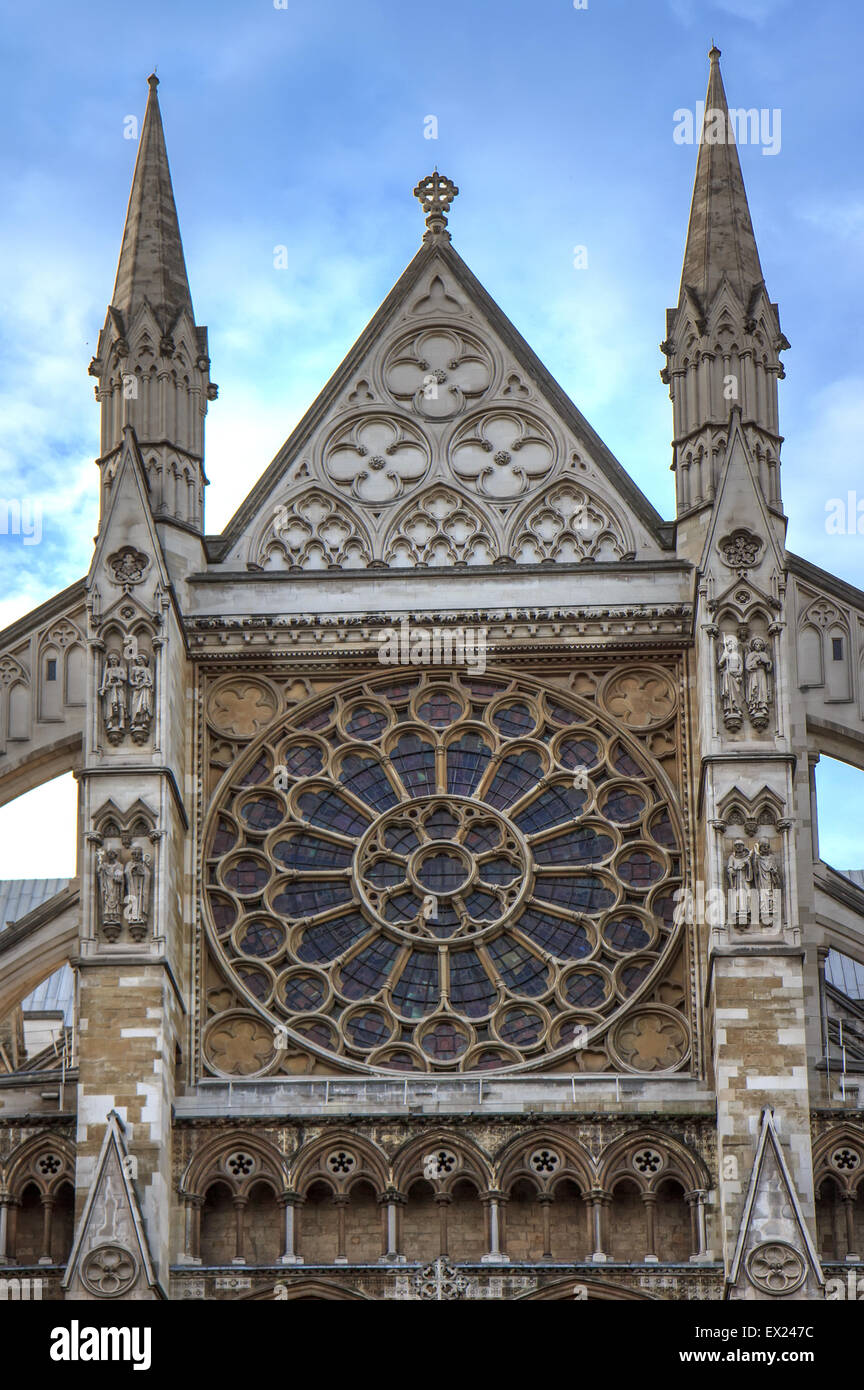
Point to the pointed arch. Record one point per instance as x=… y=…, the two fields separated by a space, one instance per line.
x=239 y=1160
x=441 y=527
x=313 y=530
x=569 y=523
x=544 y=1157
x=340 y=1160
x=628 y=1157
x=46 y=1161
x=433 y=1154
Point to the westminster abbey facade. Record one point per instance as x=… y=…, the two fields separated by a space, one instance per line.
x=449 y=920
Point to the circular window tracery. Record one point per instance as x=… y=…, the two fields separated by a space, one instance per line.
x=442 y=873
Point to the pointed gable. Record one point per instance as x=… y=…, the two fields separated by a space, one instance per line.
x=440 y=398
x=774 y=1256
x=110 y=1255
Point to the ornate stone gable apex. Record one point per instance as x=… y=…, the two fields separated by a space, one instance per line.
x=128 y=560
x=774 y=1256
x=110 y=1255
x=441 y=440
x=734 y=550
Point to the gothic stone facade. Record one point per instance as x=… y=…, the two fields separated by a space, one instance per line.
x=449 y=920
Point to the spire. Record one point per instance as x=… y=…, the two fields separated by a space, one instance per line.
x=720 y=238
x=723 y=339
x=151 y=264
x=152 y=363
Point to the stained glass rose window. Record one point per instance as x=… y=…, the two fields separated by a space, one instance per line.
x=430 y=872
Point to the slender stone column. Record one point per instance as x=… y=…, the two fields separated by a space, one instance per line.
x=390 y=1201
x=849 y=1213
x=442 y=1201
x=240 y=1204
x=649 y=1201
x=596 y=1201
x=47 y=1226
x=493 y=1202
x=545 y=1201
x=340 y=1202
x=4 y=1227
x=290 y=1201
x=696 y=1202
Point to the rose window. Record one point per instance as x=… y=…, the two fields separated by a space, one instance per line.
x=442 y=872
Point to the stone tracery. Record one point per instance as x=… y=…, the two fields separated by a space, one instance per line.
x=451 y=873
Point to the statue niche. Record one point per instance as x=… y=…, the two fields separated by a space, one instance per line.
x=124 y=879
x=746 y=679
x=754 y=886
x=127 y=694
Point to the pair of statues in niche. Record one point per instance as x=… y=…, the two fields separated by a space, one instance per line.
x=126 y=692
x=754 y=886
x=746 y=680
x=124 y=892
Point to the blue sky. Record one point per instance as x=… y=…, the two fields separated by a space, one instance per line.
x=304 y=126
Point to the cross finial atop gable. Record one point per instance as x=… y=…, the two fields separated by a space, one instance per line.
x=435 y=193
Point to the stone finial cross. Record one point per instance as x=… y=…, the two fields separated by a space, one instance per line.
x=435 y=193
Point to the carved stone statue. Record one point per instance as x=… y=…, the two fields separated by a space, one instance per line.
x=113 y=693
x=137 y=875
x=766 y=878
x=731 y=666
x=739 y=880
x=757 y=684
x=141 y=686
x=109 y=872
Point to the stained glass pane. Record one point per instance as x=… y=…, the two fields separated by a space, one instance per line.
x=439 y=709
x=587 y=990
x=521 y=1027
x=516 y=775
x=247 y=876
x=303 y=759
x=368 y=1029
x=556 y=804
x=329 y=810
x=471 y=990
x=513 y=720
x=224 y=837
x=414 y=761
x=639 y=869
x=563 y=939
x=521 y=972
x=366 y=778
x=626 y=934
x=366 y=722
x=467 y=758
x=366 y=972
x=580 y=846
x=307 y=899
x=416 y=991
x=622 y=805
x=582 y=894
x=329 y=939
x=305 y=851
x=303 y=993
x=263 y=813
x=261 y=939
x=578 y=752
x=445 y=1042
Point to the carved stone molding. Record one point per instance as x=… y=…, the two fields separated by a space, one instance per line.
x=503 y=453
x=776 y=1268
x=109 y=1270
x=376 y=457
